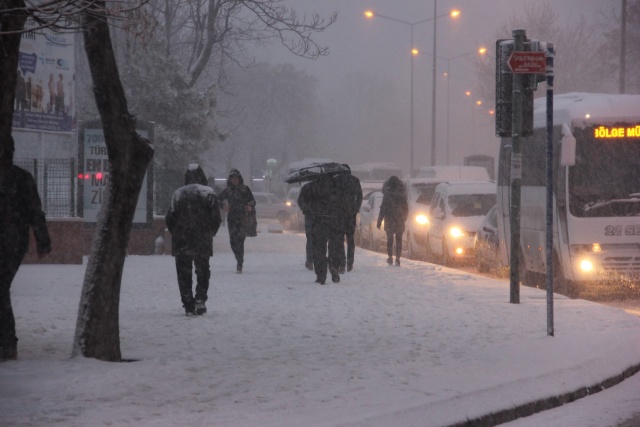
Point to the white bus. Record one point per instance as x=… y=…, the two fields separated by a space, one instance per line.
x=376 y=172
x=596 y=186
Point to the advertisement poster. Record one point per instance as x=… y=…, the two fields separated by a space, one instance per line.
x=93 y=174
x=45 y=87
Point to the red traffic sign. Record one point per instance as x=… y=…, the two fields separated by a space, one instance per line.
x=527 y=62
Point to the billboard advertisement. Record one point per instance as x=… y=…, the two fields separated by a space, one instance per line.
x=93 y=174
x=45 y=88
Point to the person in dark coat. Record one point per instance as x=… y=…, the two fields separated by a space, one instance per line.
x=325 y=206
x=353 y=196
x=303 y=204
x=394 y=211
x=237 y=202
x=193 y=219
x=20 y=209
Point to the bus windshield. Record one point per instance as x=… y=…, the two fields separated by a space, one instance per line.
x=605 y=180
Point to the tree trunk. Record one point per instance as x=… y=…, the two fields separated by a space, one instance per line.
x=9 y=48
x=97 y=329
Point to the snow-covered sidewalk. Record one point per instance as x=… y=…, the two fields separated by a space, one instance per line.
x=416 y=345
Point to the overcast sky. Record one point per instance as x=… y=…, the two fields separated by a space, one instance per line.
x=369 y=63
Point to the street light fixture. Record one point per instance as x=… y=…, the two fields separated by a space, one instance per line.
x=370 y=15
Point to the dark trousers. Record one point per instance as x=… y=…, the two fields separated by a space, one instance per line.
x=350 y=231
x=327 y=233
x=237 y=234
x=8 y=268
x=398 y=238
x=308 y=231
x=184 y=264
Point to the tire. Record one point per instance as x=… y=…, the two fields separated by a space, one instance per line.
x=446 y=259
x=411 y=252
x=561 y=285
x=501 y=270
x=284 y=219
x=372 y=243
x=480 y=266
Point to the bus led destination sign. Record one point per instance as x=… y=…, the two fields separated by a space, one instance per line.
x=614 y=132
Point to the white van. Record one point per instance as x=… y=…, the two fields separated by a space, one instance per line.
x=456 y=211
x=419 y=194
x=448 y=173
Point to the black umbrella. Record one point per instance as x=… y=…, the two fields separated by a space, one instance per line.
x=314 y=171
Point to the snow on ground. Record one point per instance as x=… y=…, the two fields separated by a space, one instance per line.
x=416 y=345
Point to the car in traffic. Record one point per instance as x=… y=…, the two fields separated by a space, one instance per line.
x=455 y=213
x=487 y=245
x=419 y=194
x=268 y=205
x=368 y=234
x=297 y=217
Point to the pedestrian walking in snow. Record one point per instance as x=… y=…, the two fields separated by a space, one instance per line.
x=326 y=207
x=193 y=219
x=239 y=204
x=20 y=209
x=353 y=196
x=303 y=204
x=393 y=212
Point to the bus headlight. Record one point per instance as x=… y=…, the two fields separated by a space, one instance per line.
x=586 y=266
x=456 y=232
x=422 y=219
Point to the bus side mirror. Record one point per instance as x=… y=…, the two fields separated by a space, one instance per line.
x=568 y=147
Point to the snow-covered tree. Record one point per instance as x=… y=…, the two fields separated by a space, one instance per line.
x=574 y=68
x=616 y=50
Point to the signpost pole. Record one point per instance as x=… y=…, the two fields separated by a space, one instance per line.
x=519 y=37
x=549 y=243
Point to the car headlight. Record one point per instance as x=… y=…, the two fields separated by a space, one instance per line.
x=456 y=232
x=586 y=265
x=288 y=203
x=422 y=219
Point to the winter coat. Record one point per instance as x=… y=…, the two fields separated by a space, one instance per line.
x=325 y=198
x=237 y=197
x=20 y=208
x=352 y=191
x=194 y=216
x=394 y=209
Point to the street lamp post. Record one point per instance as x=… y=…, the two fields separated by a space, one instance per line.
x=370 y=14
x=480 y=51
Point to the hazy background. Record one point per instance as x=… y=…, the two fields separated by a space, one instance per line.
x=365 y=82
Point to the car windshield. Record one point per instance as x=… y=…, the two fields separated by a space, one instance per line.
x=424 y=193
x=471 y=204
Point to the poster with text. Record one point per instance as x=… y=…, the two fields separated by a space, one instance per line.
x=45 y=87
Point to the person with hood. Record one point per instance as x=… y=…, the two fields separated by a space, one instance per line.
x=324 y=203
x=238 y=202
x=193 y=219
x=303 y=204
x=353 y=194
x=394 y=211
x=20 y=209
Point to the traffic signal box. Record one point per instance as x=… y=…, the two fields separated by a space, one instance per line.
x=504 y=88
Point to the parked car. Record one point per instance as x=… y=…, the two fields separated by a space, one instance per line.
x=419 y=194
x=369 y=235
x=297 y=217
x=487 y=244
x=455 y=213
x=268 y=205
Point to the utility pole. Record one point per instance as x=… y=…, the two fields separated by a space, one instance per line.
x=519 y=37
x=623 y=46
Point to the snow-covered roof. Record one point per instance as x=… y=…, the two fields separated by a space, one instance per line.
x=582 y=109
x=468 y=187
